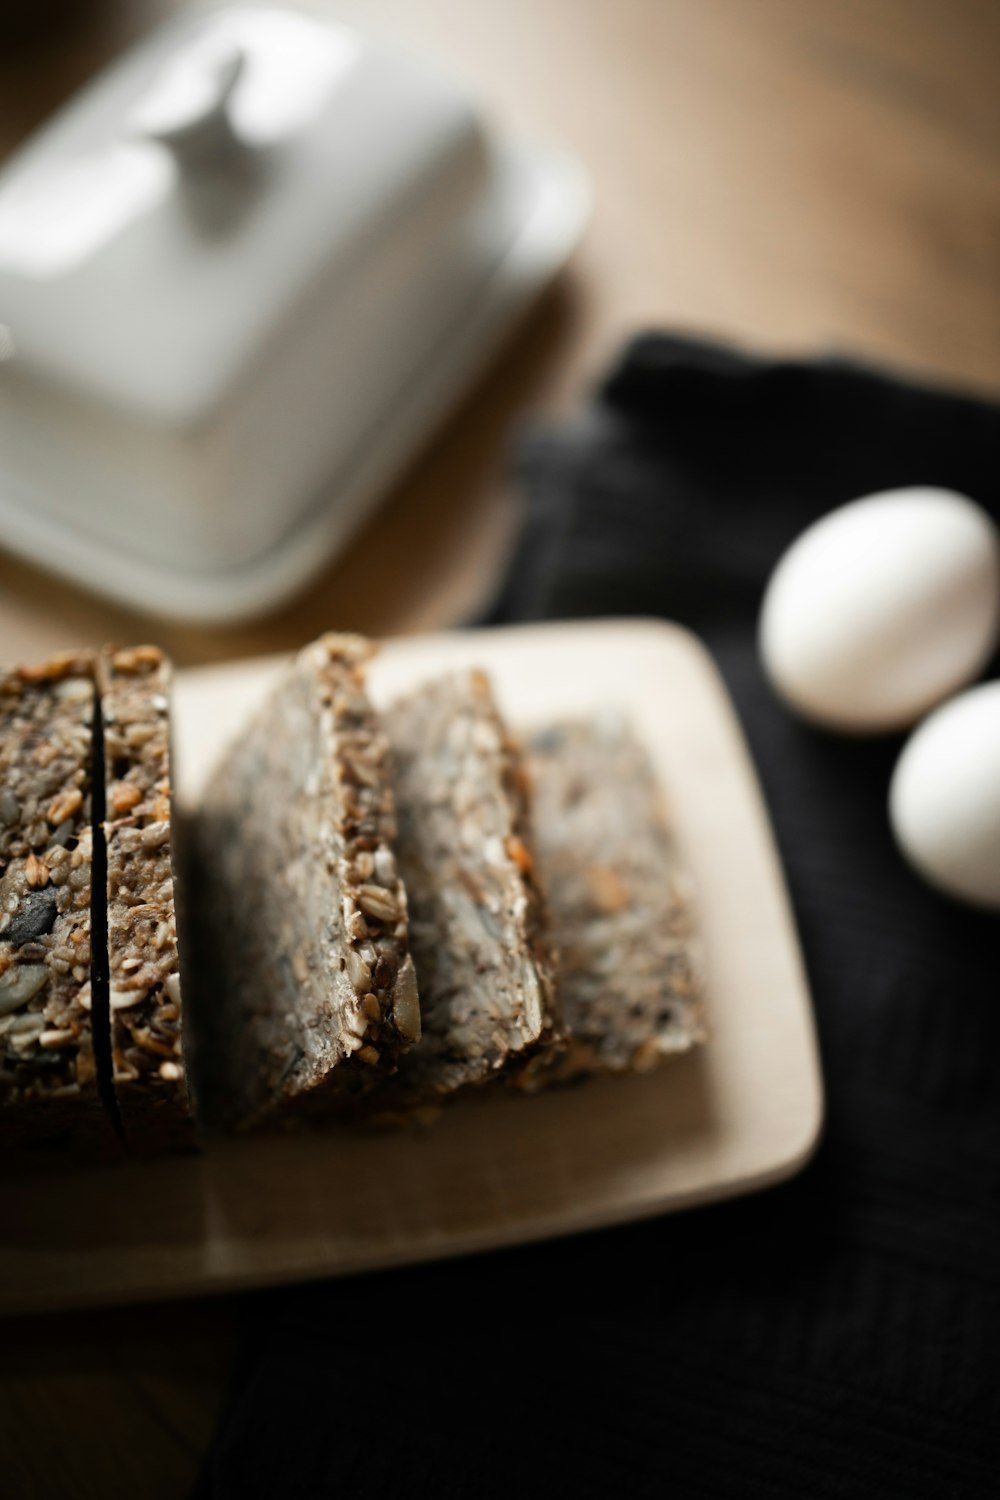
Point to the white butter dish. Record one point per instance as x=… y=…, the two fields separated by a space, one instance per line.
x=242 y=275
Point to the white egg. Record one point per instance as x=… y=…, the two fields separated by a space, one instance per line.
x=882 y=609
x=944 y=801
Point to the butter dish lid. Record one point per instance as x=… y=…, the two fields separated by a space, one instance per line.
x=243 y=275
x=175 y=207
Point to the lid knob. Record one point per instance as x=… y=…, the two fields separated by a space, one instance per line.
x=187 y=107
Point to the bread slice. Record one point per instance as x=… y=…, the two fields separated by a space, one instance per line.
x=149 y=1072
x=620 y=901
x=307 y=918
x=48 y=1071
x=476 y=919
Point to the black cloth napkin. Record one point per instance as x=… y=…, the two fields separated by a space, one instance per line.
x=838 y=1335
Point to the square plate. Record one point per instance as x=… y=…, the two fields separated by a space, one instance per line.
x=741 y=1113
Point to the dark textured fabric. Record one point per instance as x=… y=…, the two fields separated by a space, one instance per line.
x=838 y=1335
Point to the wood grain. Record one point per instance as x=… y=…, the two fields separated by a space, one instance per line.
x=117 y=1405
x=805 y=173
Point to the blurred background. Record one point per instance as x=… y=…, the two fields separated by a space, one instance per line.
x=803 y=176
x=796 y=174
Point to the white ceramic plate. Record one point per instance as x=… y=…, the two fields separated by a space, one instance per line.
x=741 y=1113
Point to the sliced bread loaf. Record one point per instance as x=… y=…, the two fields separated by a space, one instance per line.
x=48 y=1070
x=476 y=919
x=150 y=1078
x=312 y=995
x=620 y=900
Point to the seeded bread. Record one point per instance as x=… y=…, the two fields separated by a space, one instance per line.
x=476 y=919
x=143 y=967
x=620 y=901
x=307 y=918
x=48 y=1074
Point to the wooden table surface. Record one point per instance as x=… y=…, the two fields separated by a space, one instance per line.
x=796 y=173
